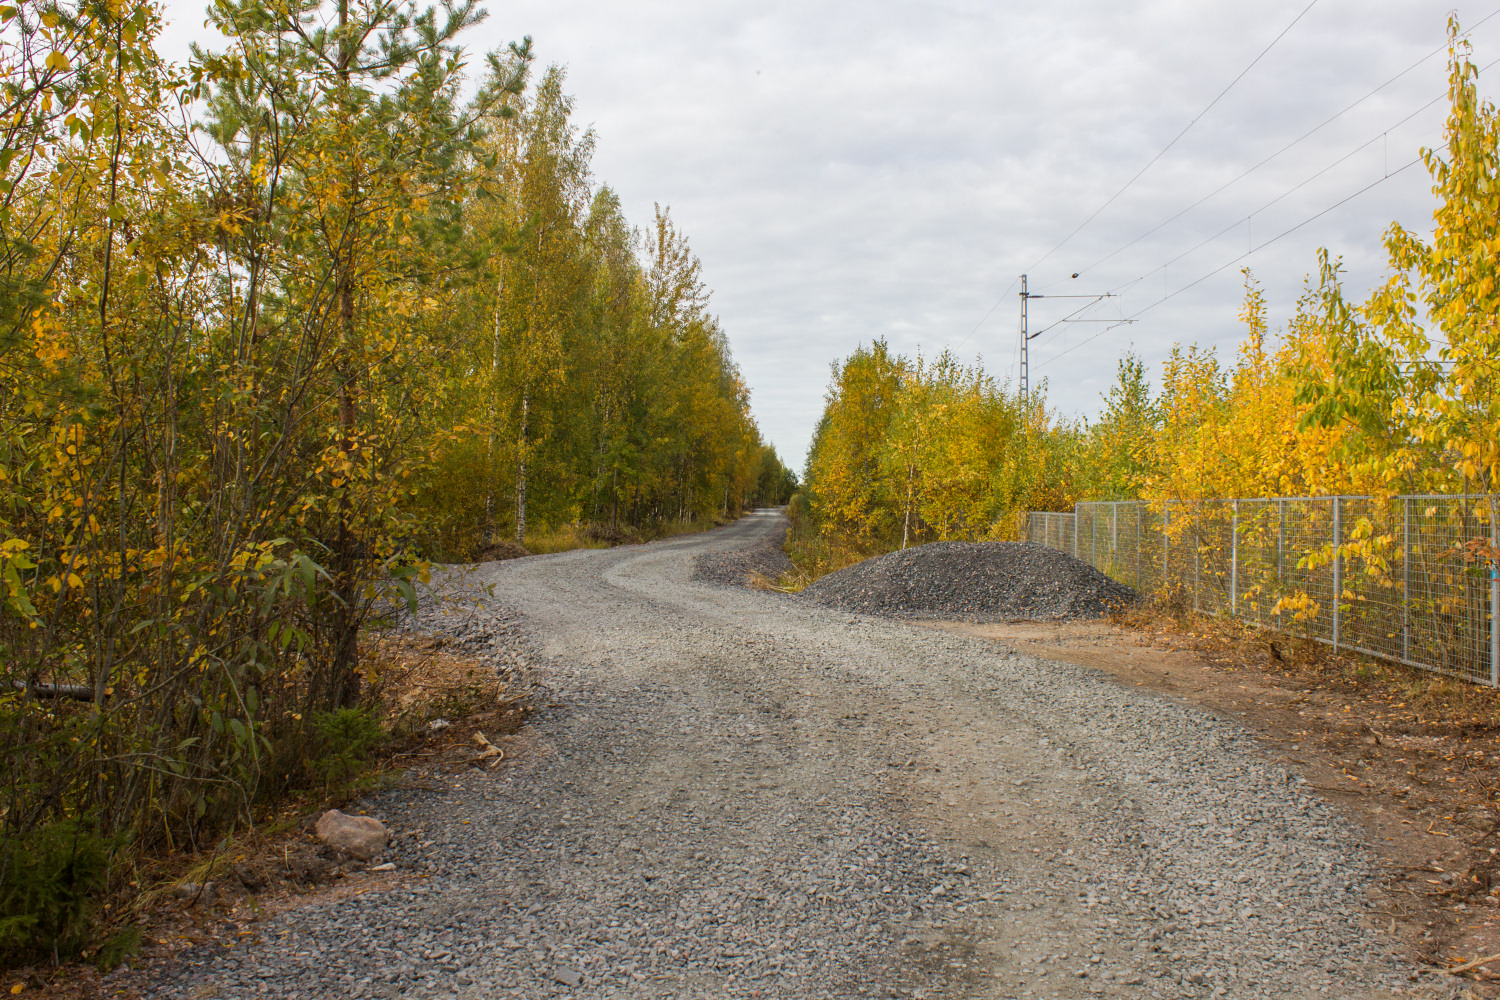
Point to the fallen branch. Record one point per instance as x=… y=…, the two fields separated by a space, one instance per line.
x=1471 y=965
x=490 y=750
x=78 y=692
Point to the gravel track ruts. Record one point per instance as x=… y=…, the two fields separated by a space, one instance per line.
x=737 y=794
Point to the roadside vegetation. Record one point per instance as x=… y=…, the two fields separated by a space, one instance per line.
x=1393 y=394
x=279 y=328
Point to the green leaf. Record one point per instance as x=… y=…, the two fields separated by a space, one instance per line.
x=408 y=592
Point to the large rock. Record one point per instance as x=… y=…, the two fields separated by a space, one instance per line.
x=360 y=836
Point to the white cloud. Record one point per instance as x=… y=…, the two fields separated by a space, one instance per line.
x=853 y=170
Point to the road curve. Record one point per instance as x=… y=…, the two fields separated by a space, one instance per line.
x=737 y=794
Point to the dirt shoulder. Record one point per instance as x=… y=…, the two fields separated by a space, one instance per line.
x=1423 y=788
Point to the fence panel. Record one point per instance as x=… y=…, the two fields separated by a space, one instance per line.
x=1405 y=579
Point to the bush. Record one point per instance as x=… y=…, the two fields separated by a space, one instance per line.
x=50 y=883
x=347 y=737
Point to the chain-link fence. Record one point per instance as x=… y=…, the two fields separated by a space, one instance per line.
x=1409 y=578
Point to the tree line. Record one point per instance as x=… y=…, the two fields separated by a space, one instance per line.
x=278 y=328
x=1398 y=393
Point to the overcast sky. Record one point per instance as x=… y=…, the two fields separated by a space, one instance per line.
x=848 y=171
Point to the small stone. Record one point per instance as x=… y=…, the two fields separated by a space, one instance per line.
x=567 y=976
x=389 y=866
x=362 y=837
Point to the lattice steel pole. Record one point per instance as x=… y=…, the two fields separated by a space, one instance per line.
x=1025 y=362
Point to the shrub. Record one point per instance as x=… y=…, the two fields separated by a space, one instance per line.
x=50 y=882
x=347 y=737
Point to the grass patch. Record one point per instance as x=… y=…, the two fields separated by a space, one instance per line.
x=815 y=556
x=566 y=537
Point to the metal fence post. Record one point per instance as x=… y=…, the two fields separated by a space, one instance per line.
x=1193 y=532
x=1494 y=594
x=1234 y=559
x=1337 y=579
x=1406 y=578
x=1280 y=539
x=1113 y=534
x=1139 y=528
x=1166 y=552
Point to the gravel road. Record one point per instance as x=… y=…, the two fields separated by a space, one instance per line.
x=742 y=794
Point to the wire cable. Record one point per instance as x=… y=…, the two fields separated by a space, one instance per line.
x=1197 y=281
x=1236 y=224
x=987 y=313
x=1287 y=193
x=1186 y=128
x=1295 y=142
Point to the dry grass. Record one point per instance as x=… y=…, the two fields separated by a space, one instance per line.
x=414 y=680
x=816 y=557
x=566 y=537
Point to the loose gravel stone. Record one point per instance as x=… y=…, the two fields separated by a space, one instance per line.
x=734 y=567
x=741 y=794
x=972 y=581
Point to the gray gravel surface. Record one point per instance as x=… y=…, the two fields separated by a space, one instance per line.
x=973 y=581
x=734 y=567
x=739 y=794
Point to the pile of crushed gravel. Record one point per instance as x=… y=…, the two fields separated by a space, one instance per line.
x=732 y=568
x=973 y=581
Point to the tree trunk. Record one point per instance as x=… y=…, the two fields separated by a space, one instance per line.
x=341 y=686
x=489 y=444
x=521 y=468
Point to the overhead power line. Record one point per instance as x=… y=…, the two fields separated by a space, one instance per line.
x=1295 y=142
x=1199 y=280
x=1185 y=129
x=1287 y=232
x=987 y=313
x=1287 y=193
